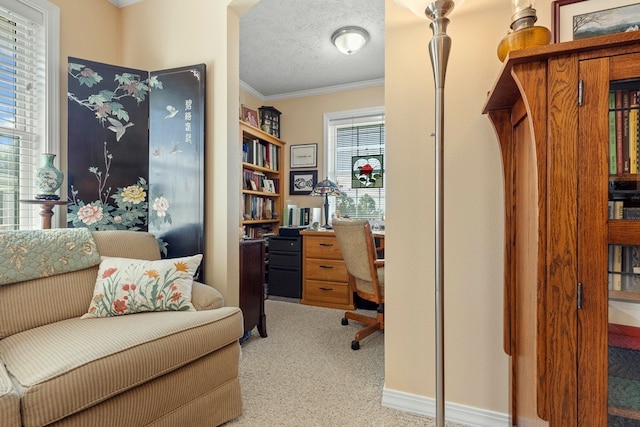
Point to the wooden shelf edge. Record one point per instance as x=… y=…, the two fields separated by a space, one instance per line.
x=259 y=221
x=624 y=232
x=246 y=165
x=628 y=296
x=260 y=133
x=261 y=193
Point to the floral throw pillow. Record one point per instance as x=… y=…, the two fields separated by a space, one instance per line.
x=126 y=286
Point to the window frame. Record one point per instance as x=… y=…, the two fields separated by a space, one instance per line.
x=49 y=15
x=357 y=114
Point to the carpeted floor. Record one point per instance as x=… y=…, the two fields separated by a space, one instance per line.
x=305 y=373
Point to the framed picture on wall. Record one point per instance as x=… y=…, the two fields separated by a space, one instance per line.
x=303 y=156
x=249 y=116
x=580 y=19
x=302 y=182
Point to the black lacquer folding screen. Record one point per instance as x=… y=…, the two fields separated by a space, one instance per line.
x=136 y=152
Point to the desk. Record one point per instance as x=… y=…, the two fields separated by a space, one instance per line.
x=46 y=209
x=325 y=281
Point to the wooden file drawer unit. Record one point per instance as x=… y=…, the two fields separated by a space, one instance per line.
x=325 y=281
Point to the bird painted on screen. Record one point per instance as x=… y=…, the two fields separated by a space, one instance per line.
x=118 y=128
x=175 y=149
x=172 y=112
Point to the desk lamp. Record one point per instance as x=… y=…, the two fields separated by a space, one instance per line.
x=439 y=47
x=326 y=188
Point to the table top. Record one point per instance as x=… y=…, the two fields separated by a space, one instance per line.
x=44 y=202
x=310 y=232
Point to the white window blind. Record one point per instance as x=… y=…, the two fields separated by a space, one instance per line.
x=23 y=109
x=350 y=135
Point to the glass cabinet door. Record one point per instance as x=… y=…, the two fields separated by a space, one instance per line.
x=624 y=254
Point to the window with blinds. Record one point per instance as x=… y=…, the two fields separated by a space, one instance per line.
x=355 y=161
x=22 y=111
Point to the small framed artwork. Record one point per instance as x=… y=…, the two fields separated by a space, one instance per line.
x=304 y=156
x=250 y=116
x=302 y=182
x=269 y=186
x=581 y=19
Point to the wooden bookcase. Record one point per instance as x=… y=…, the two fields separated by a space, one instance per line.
x=550 y=110
x=262 y=159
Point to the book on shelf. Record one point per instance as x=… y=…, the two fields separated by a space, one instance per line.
x=631 y=268
x=613 y=165
x=616 y=255
x=633 y=131
x=619 y=157
x=630 y=212
x=258 y=208
x=260 y=153
x=624 y=131
x=259 y=232
x=297 y=216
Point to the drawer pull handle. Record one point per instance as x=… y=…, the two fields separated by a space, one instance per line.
x=326 y=266
x=326 y=244
x=326 y=289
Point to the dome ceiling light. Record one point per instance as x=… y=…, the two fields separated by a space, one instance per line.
x=350 y=40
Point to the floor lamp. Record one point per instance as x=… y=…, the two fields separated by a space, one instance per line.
x=439 y=48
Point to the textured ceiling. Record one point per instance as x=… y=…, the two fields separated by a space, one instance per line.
x=286 y=50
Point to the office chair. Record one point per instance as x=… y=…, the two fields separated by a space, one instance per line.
x=366 y=273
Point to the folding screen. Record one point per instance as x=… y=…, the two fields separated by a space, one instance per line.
x=136 y=152
x=176 y=163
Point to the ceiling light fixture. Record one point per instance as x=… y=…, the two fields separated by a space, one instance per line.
x=350 y=40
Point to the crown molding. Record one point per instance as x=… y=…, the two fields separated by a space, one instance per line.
x=311 y=92
x=124 y=3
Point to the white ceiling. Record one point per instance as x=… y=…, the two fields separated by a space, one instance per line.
x=124 y=3
x=286 y=50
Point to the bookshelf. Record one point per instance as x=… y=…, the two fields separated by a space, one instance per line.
x=262 y=183
x=571 y=192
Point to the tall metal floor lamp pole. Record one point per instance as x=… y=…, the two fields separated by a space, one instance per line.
x=439 y=48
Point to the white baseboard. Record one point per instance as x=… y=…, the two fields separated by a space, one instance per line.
x=421 y=405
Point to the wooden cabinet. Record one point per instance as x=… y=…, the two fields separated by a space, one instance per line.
x=550 y=110
x=325 y=281
x=252 y=285
x=261 y=202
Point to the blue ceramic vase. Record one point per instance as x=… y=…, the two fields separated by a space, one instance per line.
x=48 y=179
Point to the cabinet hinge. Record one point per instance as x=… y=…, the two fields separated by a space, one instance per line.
x=579 y=295
x=580 y=92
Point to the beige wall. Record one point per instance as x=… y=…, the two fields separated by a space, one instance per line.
x=476 y=367
x=81 y=38
x=164 y=33
x=160 y=34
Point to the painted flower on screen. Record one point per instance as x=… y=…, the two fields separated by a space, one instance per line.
x=90 y=214
x=161 y=206
x=133 y=194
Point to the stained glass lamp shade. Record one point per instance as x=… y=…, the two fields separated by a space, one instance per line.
x=326 y=188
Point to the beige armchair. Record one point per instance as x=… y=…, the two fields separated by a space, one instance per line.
x=366 y=273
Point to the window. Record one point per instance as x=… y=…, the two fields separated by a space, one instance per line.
x=355 y=146
x=29 y=122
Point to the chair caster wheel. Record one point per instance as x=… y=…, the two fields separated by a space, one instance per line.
x=355 y=345
x=345 y=321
